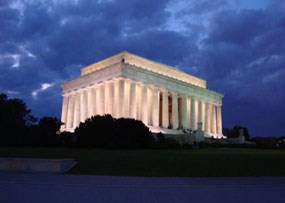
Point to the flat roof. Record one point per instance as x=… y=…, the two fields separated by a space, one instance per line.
x=140 y=62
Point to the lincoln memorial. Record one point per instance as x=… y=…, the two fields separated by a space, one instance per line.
x=125 y=85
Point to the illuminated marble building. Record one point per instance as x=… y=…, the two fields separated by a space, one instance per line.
x=126 y=85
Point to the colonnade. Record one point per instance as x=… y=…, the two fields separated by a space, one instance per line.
x=154 y=106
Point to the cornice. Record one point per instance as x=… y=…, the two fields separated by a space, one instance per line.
x=161 y=81
x=132 y=59
x=140 y=75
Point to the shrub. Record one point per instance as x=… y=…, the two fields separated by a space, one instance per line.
x=96 y=131
x=131 y=133
x=105 y=131
x=67 y=139
x=265 y=142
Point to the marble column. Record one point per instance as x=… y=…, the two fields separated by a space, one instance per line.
x=189 y=111
x=64 y=112
x=219 y=120
x=110 y=98
x=133 y=100
x=165 y=110
x=196 y=112
x=116 y=98
x=101 y=99
x=210 y=116
x=76 y=120
x=214 y=121
x=106 y=98
x=70 y=112
x=144 y=105
x=200 y=111
x=97 y=103
x=91 y=103
x=193 y=114
x=207 y=118
x=155 y=107
x=120 y=99
x=184 y=112
x=175 y=110
x=139 y=101
x=126 y=113
x=149 y=105
x=83 y=105
x=203 y=115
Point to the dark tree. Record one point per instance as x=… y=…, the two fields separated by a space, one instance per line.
x=226 y=132
x=266 y=142
x=234 y=132
x=105 y=131
x=96 y=131
x=48 y=131
x=15 y=118
x=132 y=133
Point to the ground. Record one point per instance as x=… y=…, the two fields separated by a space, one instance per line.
x=164 y=163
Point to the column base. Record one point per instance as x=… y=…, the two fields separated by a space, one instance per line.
x=215 y=136
x=155 y=129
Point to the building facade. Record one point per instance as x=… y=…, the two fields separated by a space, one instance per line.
x=126 y=85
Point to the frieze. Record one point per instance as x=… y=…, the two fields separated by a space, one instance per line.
x=143 y=63
x=141 y=75
x=162 y=81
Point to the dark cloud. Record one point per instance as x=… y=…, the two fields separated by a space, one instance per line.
x=245 y=59
x=207 y=6
x=241 y=52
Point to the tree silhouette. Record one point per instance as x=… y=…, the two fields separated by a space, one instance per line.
x=96 y=131
x=234 y=132
x=15 y=118
x=105 y=131
x=45 y=132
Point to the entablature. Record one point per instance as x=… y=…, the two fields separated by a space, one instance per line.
x=121 y=70
x=140 y=62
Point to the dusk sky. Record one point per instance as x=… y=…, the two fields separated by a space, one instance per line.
x=238 y=46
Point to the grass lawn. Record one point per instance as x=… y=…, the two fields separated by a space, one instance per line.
x=175 y=163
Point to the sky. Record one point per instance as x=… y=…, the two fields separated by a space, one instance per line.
x=238 y=46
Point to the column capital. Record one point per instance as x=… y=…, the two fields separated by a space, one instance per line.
x=174 y=93
x=152 y=87
x=73 y=93
x=65 y=94
x=91 y=86
x=119 y=78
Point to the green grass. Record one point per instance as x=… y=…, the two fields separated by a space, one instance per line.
x=175 y=163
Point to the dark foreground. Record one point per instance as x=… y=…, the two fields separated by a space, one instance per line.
x=23 y=187
x=221 y=162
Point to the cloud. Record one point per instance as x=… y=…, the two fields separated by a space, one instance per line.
x=238 y=48
x=44 y=87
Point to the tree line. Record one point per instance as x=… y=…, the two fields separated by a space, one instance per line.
x=18 y=127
